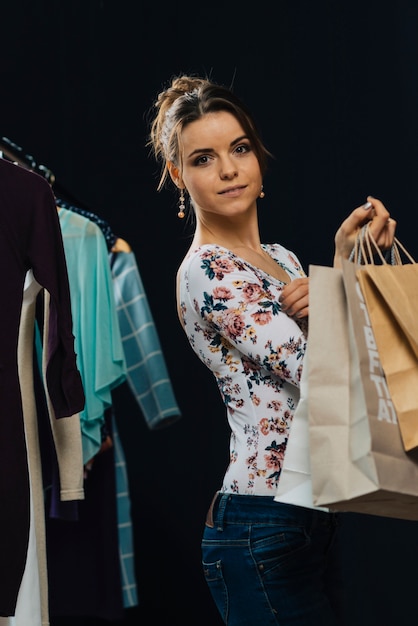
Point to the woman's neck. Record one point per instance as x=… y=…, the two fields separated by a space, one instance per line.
x=231 y=236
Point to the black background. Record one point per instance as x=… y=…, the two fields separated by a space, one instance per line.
x=333 y=86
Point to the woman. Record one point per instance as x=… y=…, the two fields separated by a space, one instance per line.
x=244 y=307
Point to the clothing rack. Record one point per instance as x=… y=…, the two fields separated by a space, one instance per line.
x=13 y=152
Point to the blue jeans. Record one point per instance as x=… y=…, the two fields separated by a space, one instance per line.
x=268 y=563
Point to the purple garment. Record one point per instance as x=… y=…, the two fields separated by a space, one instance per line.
x=30 y=238
x=84 y=575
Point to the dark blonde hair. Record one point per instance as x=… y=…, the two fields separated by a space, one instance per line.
x=187 y=100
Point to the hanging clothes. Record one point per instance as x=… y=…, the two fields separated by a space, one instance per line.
x=147 y=373
x=104 y=226
x=84 y=570
x=147 y=379
x=83 y=553
x=149 y=382
x=32 y=601
x=124 y=521
x=100 y=356
x=30 y=238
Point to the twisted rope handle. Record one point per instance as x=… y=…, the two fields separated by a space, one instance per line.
x=366 y=248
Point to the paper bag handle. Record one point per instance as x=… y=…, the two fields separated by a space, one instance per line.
x=365 y=249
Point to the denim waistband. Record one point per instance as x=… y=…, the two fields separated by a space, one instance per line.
x=236 y=508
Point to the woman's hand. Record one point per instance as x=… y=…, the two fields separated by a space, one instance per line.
x=382 y=228
x=294 y=298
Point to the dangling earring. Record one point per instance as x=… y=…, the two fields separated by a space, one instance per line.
x=182 y=206
x=262 y=194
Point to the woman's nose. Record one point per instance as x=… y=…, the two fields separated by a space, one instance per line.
x=228 y=170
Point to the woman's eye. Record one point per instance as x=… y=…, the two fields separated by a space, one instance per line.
x=242 y=148
x=201 y=160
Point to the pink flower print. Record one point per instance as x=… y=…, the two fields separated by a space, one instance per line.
x=264 y=426
x=220 y=267
x=250 y=366
x=233 y=323
x=222 y=293
x=274 y=460
x=252 y=292
x=262 y=317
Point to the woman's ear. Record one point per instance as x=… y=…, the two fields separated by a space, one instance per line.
x=174 y=172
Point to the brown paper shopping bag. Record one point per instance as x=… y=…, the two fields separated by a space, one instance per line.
x=358 y=462
x=391 y=296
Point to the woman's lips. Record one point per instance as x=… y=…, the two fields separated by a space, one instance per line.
x=232 y=191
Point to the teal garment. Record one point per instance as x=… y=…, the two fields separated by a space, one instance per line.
x=98 y=344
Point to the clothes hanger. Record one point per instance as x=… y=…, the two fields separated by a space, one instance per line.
x=15 y=153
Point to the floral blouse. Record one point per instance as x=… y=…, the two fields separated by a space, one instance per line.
x=233 y=320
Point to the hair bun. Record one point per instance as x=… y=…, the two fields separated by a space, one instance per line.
x=184 y=84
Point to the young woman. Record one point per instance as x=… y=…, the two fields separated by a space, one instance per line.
x=244 y=308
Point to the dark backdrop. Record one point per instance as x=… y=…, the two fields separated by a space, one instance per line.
x=334 y=88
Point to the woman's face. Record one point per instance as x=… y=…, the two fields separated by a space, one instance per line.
x=220 y=169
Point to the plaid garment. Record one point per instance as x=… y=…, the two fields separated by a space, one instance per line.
x=147 y=374
x=150 y=384
x=125 y=530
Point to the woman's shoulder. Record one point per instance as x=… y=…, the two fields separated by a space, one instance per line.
x=206 y=253
x=210 y=262
x=207 y=249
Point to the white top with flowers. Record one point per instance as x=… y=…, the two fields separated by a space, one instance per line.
x=233 y=320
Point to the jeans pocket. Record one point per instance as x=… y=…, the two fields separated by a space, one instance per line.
x=217 y=587
x=273 y=550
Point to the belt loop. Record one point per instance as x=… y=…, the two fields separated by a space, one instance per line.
x=221 y=510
